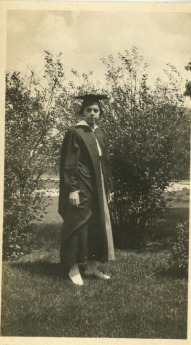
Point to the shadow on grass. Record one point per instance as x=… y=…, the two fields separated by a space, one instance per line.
x=41 y=268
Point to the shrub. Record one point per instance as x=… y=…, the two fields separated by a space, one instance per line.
x=180 y=247
x=29 y=141
x=14 y=244
x=147 y=132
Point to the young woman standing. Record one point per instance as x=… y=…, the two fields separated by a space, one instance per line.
x=85 y=187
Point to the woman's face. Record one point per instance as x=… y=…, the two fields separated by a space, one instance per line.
x=91 y=113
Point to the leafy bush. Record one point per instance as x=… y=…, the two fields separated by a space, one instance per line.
x=147 y=134
x=14 y=244
x=180 y=247
x=29 y=141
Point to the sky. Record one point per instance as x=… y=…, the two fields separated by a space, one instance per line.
x=84 y=37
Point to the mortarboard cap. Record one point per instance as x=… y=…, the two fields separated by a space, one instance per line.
x=89 y=99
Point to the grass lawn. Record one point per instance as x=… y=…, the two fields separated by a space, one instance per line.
x=144 y=298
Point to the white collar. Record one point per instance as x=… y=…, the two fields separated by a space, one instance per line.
x=84 y=123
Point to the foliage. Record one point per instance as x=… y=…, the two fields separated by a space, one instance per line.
x=188 y=83
x=146 y=132
x=180 y=247
x=14 y=244
x=188 y=89
x=188 y=67
x=29 y=141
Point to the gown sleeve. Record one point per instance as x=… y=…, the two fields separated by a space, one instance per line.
x=69 y=160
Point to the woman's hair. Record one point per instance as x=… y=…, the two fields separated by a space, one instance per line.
x=86 y=104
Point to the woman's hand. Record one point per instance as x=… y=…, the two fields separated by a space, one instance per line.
x=110 y=197
x=74 y=198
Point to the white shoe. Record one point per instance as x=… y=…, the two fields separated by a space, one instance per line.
x=77 y=279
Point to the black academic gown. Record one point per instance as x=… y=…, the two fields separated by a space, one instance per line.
x=80 y=170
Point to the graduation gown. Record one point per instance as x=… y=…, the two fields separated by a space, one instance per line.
x=83 y=169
